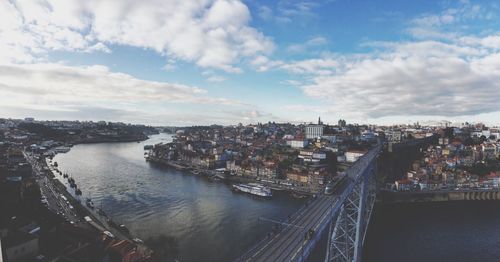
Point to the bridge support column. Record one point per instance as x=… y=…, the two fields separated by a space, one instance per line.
x=347 y=232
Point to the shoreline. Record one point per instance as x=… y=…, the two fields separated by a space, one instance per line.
x=100 y=222
x=211 y=174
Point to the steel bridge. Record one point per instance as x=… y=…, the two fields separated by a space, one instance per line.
x=345 y=215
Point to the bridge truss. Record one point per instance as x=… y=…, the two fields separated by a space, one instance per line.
x=348 y=227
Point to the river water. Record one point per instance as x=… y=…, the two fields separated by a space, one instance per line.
x=199 y=220
x=174 y=212
x=461 y=231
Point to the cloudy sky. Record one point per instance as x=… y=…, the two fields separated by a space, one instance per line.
x=178 y=62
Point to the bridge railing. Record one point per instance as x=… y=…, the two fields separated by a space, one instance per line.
x=354 y=173
x=265 y=239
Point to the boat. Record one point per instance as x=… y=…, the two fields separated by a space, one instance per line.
x=124 y=229
x=89 y=203
x=299 y=196
x=65 y=175
x=71 y=182
x=220 y=176
x=78 y=192
x=253 y=189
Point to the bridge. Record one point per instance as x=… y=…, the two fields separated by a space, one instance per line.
x=345 y=216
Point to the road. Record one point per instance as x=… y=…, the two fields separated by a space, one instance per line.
x=288 y=244
x=55 y=200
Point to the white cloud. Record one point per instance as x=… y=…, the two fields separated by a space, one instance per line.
x=302 y=9
x=210 y=33
x=265 y=12
x=320 y=66
x=491 y=42
x=290 y=11
x=170 y=66
x=311 y=43
x=216 y=79
x=211 y=76
x=420 y=78
x=441 y=72
x=59 y=85
x=443 y=25
x=263 y=63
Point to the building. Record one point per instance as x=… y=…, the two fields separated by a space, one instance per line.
x=20 y=246
x=297 y=143
x=313 y=131
x=489 y=151
x=298 y=177
x=353 y=155
x=394 y=136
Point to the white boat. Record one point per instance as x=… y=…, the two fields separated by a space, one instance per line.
x=254 y=189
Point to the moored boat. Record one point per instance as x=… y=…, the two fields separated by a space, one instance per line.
x=89 y=203
x=253 y=189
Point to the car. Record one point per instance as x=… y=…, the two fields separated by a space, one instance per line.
x=109 y=234
x=138 y=241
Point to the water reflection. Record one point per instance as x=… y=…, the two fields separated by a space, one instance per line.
x=207 y=220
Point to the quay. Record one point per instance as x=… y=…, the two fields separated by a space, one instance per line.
x=389 y=196
x=62 y=202
x=275 y=184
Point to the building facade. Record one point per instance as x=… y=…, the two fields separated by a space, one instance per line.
x=313 y=131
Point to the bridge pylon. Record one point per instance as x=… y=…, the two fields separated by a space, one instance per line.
x=348 y=230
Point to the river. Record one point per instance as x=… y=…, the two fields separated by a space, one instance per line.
x=174 y=212
x=460 y=231
x=198 y=220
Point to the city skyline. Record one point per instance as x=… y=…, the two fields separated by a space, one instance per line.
x=225 y=62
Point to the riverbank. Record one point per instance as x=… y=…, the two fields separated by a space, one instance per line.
x=112 y=139
x=87 y=216
x=275 y=184
x=180 y=216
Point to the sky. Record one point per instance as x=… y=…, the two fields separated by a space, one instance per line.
x=199 y=62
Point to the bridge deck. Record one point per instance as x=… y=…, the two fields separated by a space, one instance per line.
x=288 y=244
x=291 y=242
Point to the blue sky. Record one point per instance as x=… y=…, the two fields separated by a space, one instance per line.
x=230 y=61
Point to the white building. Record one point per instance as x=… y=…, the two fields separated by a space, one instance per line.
x=314 y=131
x=297 y=143
x=353 y=155
x=393 y=135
